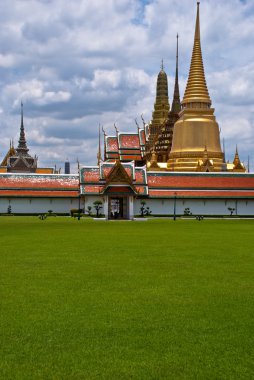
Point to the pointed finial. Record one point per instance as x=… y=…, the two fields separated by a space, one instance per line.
x=142 y=118
x=105 y=136
x=196 y=89
x=21 y=111
x=177 y=37
x=137 y=124
x=10 y=143
x=22 y=147
x=176 y=104
x=99 y=147
x=162 y=64
x=197 y=29
x=104 y=132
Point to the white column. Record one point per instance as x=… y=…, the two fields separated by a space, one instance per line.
x=106 y=206
x=131 y=212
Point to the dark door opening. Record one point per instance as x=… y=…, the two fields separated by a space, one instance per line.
x=118 y=208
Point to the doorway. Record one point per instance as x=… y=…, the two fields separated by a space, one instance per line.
x=118 y=208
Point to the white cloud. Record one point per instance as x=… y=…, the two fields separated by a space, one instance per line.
x=7 y=60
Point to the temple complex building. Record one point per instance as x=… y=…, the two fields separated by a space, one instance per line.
x=19 y=160
x=172 y=164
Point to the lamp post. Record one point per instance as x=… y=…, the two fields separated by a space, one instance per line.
x=79 y=195
x=175 y=206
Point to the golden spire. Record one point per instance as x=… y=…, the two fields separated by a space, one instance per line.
x=99 y=147
x=236 y=161
x=238 y=166
x=176 y=104
x=196 y=90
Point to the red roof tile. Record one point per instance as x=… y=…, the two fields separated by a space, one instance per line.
x=90 y=175
x=199 y=193
x=111 y=144
x=180 y=181
x=130 y=140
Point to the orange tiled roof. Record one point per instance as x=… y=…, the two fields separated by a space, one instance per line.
x=129 y=141
x=39 y=185
x=199 y=181
x=201 y=193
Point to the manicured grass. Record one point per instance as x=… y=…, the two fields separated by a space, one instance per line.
x=126 y=300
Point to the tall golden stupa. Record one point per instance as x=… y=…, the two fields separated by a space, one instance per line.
x=161 y=108
x=196 y=133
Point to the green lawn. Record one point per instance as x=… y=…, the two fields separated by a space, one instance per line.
x=126 y=300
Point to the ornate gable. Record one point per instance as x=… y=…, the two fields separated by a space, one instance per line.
x=118 y=175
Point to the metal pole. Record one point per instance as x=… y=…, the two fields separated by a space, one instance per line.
x=175 y=206
x=79 y=207
x=79 y=194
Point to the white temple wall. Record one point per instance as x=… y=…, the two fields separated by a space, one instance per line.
x=38 y=205
x=88 y=200
x=197 y=206
x=157 y=206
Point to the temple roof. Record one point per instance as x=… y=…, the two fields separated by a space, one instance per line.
x=164 y=184
x=125 y=146
x=39 y=185
x=94 y=180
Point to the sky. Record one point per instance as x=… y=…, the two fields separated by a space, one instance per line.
x=77 y=64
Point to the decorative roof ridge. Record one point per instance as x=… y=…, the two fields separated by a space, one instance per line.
x=128 y=133
x=38 y=175
x=88 y=166
x=214 y=174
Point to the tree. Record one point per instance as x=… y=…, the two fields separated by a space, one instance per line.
x=144 y=211
x=98 y=206
x=187 y=211
x=89 y=210
x=231 y=210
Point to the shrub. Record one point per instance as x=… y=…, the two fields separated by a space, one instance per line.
x=144 y=211
x=76 y=210
x=98 y=206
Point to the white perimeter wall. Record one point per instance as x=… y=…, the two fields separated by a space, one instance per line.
x=38 y=205
x=89 y=200
x=157 y=206
x=197 y=206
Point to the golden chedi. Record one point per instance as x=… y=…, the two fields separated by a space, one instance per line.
x=197 y=129
x=161 y=109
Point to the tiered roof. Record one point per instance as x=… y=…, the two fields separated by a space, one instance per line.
x=125 y=146
x=96 y=180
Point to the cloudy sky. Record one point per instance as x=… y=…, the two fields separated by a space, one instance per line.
x=77 y=64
